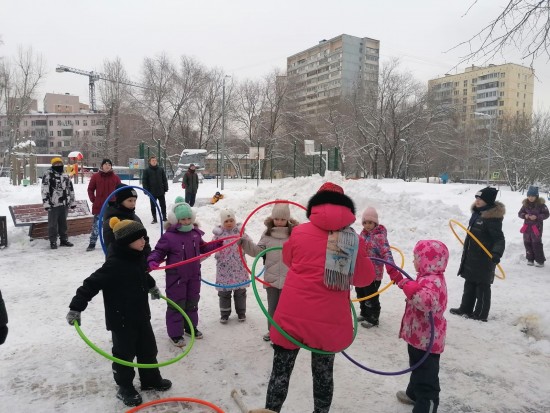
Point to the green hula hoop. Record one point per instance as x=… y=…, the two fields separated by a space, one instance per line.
x=142 y=365
x=277 y=326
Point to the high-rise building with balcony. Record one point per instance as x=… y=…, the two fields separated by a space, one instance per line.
x=499 y=91
x=323 y=74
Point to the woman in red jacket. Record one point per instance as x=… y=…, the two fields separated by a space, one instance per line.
x=325 y=258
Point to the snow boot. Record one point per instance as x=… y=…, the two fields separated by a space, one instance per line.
x=66 y=243
x=460 y=312
x=53 y=245
x=530 y=263
x=242 y=318
x=91 y=247
x=539 y=264
x=403 y=398
x=224 y=319
x=163 y=385
x=178 y=341
x=129 y=396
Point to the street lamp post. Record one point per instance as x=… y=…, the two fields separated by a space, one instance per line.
x=223 y=133
x=489 y=144
x=406 y=144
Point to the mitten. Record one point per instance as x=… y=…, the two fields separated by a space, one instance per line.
x=153 y=265
x=73 y=316
x=495 y=259
x=410 y=288
x=155 y=293
x=395 y=275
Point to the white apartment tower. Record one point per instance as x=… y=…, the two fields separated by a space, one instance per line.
x=341 y=66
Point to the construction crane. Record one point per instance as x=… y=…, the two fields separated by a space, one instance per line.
x=92 y=78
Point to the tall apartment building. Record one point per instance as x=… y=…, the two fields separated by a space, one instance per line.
x=332 y=69
x=63 y=103
x=495 y=90
x=58 y=132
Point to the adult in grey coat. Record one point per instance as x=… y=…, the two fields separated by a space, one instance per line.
x=190 y=183
x=154 y=181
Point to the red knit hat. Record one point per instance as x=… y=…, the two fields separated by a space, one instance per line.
x=329 y=186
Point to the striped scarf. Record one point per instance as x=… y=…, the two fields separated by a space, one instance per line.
x=342 y=248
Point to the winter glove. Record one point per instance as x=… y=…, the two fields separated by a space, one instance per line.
x=3 y=334
x=495 y=259
x=153 y=265
x=395 y=275
x=155 y=293
x=410 y=288
x=73 y=316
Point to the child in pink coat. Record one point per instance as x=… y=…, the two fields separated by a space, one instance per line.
x=428 y=293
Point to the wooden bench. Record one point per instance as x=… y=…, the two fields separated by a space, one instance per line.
x=79 y=220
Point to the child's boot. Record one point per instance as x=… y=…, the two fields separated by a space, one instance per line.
x=162 y=385
x=129 y=396
x=403 y=398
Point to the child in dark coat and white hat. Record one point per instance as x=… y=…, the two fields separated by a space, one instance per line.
x=125 y=284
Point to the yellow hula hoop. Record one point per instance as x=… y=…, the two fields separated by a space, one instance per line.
x=388 y=285
x=478 y=242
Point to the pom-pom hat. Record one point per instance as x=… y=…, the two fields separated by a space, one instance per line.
x=56 y=160
x=126 y=231
x=180 y=210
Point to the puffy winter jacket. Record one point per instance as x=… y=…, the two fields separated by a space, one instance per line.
x=537 y=208
x=307 y=310
x=475 y=264
x=154 y=180
x=190 y=182
x=57 y=190
x=427 y=293
x=100 y=187
x=376 y=242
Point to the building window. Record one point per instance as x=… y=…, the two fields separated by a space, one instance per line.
x=51 y=122
x=51 y=144
x=77 y=122
x=465 y=83
x=84 y=123
x=465 y=91
x=58 y=133
x=51 y=133
x=501 y=103
x=59 y=144
x=58 y=123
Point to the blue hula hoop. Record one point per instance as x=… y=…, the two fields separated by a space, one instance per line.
x=232 y=285
x=428 y=350
x=104 y=206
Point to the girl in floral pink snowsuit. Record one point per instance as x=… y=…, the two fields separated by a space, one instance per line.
x=428 y=293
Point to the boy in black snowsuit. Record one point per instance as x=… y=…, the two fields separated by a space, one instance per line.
x=125 y=283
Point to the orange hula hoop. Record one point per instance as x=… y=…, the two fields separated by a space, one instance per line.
x=478 y=242
x=176 y=399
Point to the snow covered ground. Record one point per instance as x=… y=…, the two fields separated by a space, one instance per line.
x=499 y=366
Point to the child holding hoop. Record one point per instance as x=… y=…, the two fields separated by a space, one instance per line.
x=428 y=293
x=230 y=269
x=377 y=245
x=278 y=229
x=181 y=241
x=325 y=257
x=125 y=284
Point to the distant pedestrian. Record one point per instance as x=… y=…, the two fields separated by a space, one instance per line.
x=154 y=181
x=533 y=211
x=190 y=183
x=57 y=197
x=101 y=185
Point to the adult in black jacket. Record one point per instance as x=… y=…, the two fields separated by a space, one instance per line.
x=477 y=269
x=125 y=284
x=154 y=181
x=190 y=183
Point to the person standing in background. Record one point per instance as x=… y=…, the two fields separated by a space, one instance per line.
x=57 y=198
x=190 y=183
x=101 y=185
x=3 y=320
x=154 y=181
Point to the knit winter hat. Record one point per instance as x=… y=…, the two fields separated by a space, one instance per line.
x=533 y=191
x=370 y=214
x=125 y=193
x=330 y=193
x=126 y=231
x=106 y=160
x=180 y=210
x=56 y=160
x=226 y=214
x=280 y=211
x=488 y=194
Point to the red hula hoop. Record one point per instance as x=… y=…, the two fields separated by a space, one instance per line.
x=279 y=201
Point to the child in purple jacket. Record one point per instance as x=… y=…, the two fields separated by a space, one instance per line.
x=428 y=293
x=181 y=241
x=533 y=211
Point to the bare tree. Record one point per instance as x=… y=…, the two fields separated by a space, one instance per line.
x=524 y=24
x=208 y=107
x=19 y=81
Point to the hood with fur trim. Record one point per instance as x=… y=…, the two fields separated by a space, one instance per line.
x=270 y=224
x=539 y=201
x=496 y=212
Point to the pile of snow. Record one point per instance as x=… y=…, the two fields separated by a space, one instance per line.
x=499 y=366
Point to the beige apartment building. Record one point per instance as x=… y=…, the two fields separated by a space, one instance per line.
x=334 y=68
x=58 y=132
x=497 y=91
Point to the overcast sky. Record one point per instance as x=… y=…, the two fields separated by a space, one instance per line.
x=246 y=38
